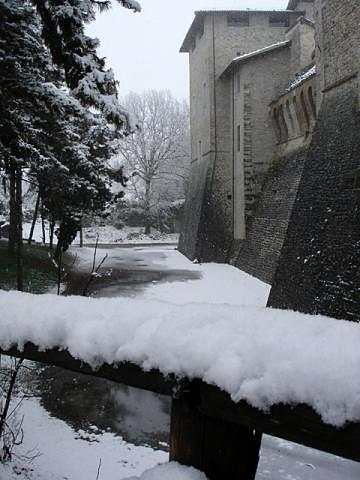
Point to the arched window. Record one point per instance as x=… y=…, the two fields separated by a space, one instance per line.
x=275 y=117
x=311 y=101
x=305 y=112
x=283 y=126
x=289 y=114
x=298 y=114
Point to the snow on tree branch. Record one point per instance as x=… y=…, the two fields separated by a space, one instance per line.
x=131 y=4
x=85 y=73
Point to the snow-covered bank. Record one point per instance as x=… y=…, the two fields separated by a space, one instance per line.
x=171 y=471
x=65 y=453
x=264 y=356
x=107 y=234
x=216 y=283
x=61 y=453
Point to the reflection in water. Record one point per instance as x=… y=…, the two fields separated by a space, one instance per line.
x=125 y=283
x=92 y=404
x=95 y=405
x=147 y=415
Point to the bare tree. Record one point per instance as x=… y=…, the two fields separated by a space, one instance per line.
x=159 y=152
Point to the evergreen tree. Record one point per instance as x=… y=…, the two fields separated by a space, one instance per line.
x=72 y=173
x=63 y=31
x=46 y=129
x=22 y=63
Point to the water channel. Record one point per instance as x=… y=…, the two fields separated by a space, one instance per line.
x=92 y=405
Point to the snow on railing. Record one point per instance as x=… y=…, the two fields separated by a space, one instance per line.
x=263 y=356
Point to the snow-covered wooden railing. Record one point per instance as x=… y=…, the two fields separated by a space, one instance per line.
x=297 y=423
x=233 y=372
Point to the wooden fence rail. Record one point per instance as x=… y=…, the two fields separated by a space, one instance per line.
x=208 y=430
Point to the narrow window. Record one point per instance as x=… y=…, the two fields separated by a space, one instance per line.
x=305 y=112
x=238 y=83
x=283 y=126
x=277 y=124
x=290 y=117
x=199 y=150
x=238 y=138
x=311 y=100
x=276 y=20
x=241 y=19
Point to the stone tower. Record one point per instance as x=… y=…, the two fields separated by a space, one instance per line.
x=216 y=210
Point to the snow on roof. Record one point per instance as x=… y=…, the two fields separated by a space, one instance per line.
x=301 y=77
x=255 y=53
x=302 y=20
x=262 y=355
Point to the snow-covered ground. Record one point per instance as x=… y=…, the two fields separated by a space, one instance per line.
x=108 y=234
x=74 y=455
x=66 y=454
x=249 y=351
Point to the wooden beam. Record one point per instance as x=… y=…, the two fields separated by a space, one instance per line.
x=299 y=424
x=125 y=373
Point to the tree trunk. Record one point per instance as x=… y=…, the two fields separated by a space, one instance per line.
x=12 y=192
x=43 y=225
x=51 y=233
x=59 y=262
x=147 y=207
x=36 y=211
x=4 y=413
x=19 y=230
x=81 y=233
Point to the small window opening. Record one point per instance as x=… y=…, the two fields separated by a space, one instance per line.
x=279 y=20
x=238 y=19
x=238 y=138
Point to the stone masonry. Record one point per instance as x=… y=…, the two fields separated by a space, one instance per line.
x=213 y=41
x=318 y=270
x=241 y=62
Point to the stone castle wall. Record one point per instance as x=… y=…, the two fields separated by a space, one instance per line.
x=209 y=210
x=259 y=252
x=318 y=269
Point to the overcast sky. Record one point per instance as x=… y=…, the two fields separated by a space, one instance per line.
x=143 y=48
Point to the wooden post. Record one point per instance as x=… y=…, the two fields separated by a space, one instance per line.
x=222 y=450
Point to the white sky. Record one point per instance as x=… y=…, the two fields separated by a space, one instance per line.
x=143 y=48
